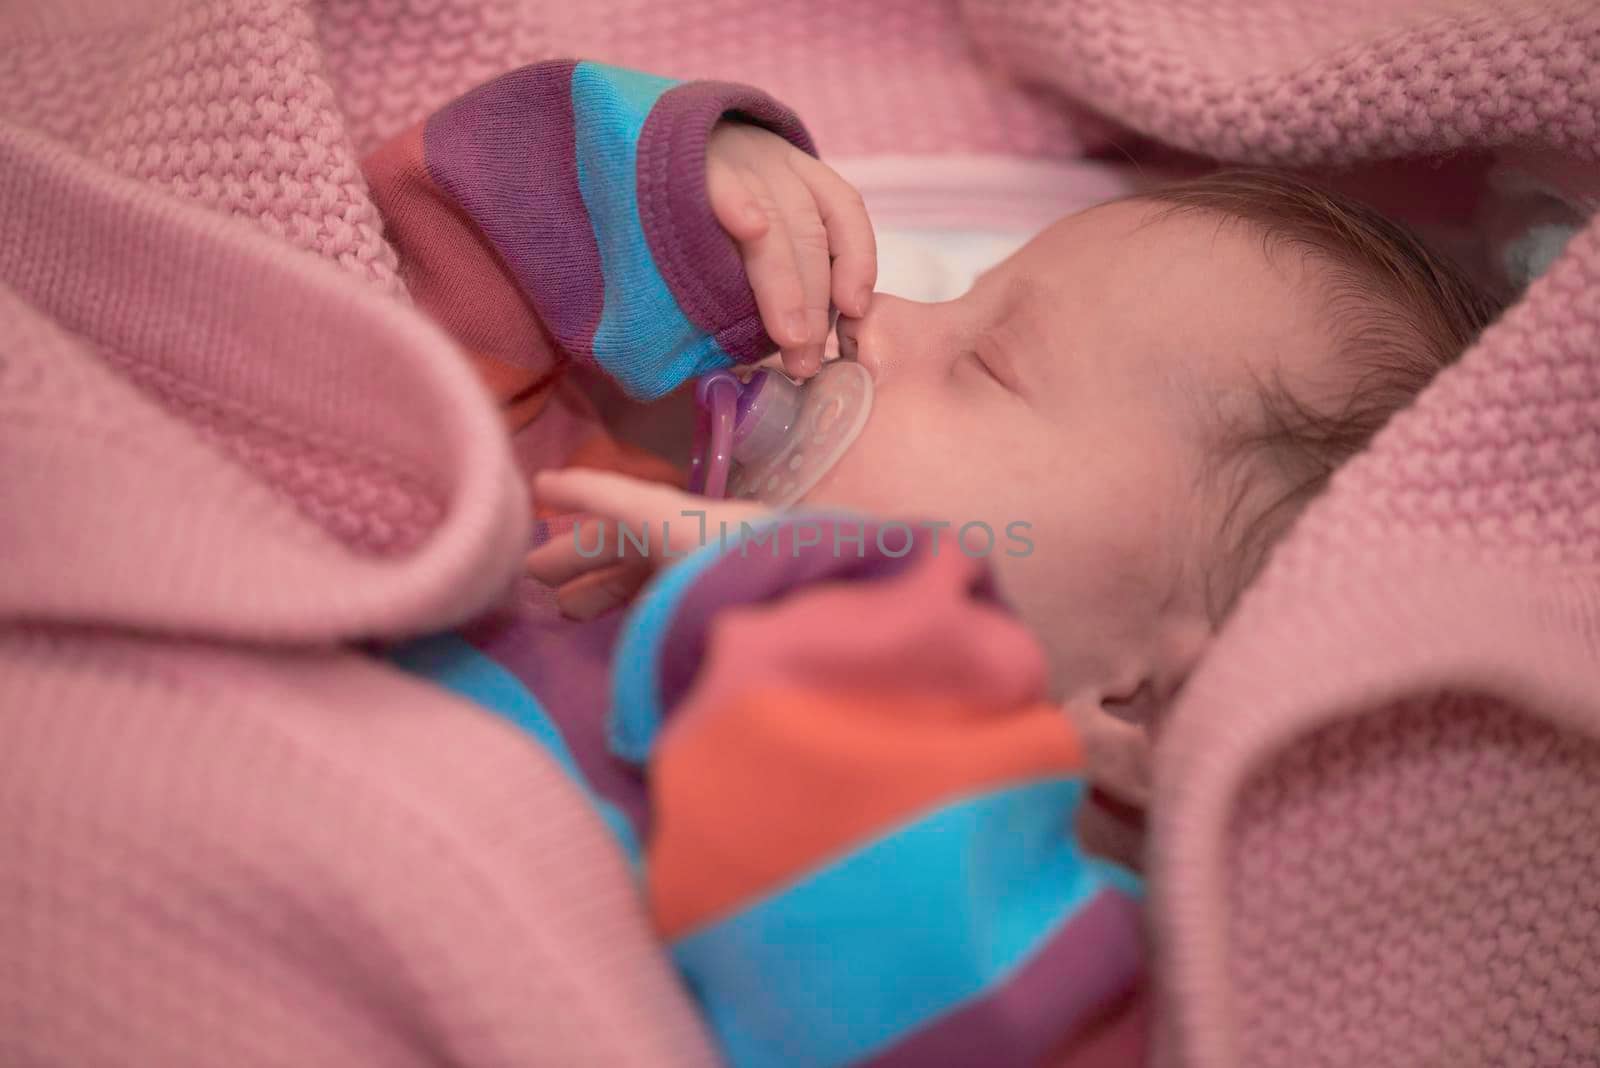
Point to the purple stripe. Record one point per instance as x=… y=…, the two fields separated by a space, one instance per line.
x=757 y=574
x=1087 y=968
x=695 y=256
x=766 y=572
x=506 y=153
x=567 y=668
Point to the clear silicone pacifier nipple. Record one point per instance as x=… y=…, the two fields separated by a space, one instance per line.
x=771 y=439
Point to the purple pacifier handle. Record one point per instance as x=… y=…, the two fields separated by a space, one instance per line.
x=717 y=396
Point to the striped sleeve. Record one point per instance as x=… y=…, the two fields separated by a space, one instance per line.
x=560 y=212
x=861 y=848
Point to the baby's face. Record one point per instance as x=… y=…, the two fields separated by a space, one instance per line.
x=1080 y=388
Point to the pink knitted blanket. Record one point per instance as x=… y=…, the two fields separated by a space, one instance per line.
x=220 y=461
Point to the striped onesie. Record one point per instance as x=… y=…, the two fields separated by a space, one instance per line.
x=828 y=752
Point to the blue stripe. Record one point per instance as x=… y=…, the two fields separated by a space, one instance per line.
x=855 y=956
x=456 y=664
x=644 y=340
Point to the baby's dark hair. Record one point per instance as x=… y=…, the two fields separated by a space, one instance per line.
x=1400 y=313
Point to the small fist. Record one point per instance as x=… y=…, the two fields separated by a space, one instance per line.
x=802 y=232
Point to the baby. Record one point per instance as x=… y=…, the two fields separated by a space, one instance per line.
x=846 y=775
x=1158 y=385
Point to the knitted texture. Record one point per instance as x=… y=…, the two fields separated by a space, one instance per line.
x=1293 y=83
x=302 y=460
x=394 y=62
x=222 y=103
x=309 y=388
x=321 y=909
x=398 y=60
x=1369 y=864
x=1412 y=883
x=1487 y=494
x=372 y=502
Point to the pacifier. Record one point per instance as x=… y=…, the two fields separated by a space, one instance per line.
x=770 y=438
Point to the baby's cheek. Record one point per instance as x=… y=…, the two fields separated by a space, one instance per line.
x=849 y=484
x=877 y=474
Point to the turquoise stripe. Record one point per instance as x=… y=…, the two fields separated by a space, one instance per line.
x=456 y=664
x=854 y=957
x=644 y=341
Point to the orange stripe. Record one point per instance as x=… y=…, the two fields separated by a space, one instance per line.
x=751 y=794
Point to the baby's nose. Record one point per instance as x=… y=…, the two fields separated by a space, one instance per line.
x=894 y=334
x=871 y=340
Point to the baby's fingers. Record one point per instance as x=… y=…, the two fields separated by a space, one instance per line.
x=597 y=592
x=559 y=560
x=605 y=504
x=735 y=207
x=774 y=273
x=851 y=242
x=811 y=254
x=640 y=518
x=609 y=495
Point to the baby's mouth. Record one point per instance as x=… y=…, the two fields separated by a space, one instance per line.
x=769 y=438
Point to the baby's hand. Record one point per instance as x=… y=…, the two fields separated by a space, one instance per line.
x=802 y=232
x=588 y=585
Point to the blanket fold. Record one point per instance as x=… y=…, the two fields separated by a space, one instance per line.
x=1364 y=844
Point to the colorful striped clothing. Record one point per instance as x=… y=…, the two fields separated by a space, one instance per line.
x=825 y=743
